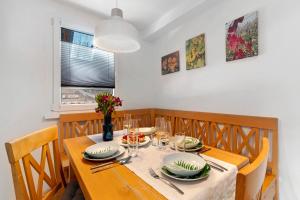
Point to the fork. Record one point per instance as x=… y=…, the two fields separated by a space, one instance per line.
x=154 y=175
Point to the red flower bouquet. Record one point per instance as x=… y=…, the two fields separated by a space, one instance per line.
x=107 y=103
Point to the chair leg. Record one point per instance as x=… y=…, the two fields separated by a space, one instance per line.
x=67 y=173
x=72 y=176
x=258 y=196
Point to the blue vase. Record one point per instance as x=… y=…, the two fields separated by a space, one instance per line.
x=107 y=128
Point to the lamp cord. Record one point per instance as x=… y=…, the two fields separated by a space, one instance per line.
x=116 y=3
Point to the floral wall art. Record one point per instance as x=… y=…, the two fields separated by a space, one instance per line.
x=242 y=37
x=170 y=63
x=195 y=52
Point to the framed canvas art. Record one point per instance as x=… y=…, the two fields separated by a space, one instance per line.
x=195 y=52
x=170 y=63
x=242 y=37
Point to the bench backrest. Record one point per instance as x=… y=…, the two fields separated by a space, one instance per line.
x=81 y=124
x=234 y=133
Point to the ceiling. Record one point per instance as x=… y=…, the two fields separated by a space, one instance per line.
x=148 y=16
x=139 y=12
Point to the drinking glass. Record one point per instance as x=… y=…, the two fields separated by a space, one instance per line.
x=126 y=123
x=172 y=142
x=158 y=126
x=132 y=138
x=179 y=140
x=164 y=134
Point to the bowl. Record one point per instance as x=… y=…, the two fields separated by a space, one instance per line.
x=184 y=164
x=102 y=150
x=147 y=130
x=190 y=142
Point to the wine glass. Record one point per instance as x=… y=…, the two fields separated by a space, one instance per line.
x=126 y=123
x=179 y=141
x=158 y=122
x=132 y=138
x=158 y=126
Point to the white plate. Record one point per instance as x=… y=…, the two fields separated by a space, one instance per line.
x=170 y=161
x=190 y=142
x=191 y=149
x=183 y=179
x=117 y=154
x=147 y=130
x=102 y=150
x=146 y=141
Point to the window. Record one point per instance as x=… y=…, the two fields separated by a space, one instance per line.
x=85 y=70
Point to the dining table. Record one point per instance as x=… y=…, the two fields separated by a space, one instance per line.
x=133 y=181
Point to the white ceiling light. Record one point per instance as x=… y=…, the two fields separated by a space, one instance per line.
x=117 y=35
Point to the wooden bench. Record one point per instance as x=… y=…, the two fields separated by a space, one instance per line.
x=233 y=133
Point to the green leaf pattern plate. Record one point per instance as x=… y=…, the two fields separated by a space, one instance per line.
x=203 y=174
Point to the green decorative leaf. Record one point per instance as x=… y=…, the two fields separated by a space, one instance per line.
x=186 y=165
x=198 y=145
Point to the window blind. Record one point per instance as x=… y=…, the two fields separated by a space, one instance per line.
x=82 y=65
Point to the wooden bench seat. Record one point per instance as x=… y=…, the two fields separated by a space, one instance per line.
x=227 y=157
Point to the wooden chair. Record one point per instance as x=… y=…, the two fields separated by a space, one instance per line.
x=250 y=178
x=20 y=151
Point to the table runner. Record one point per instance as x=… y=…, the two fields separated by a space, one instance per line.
x=219 y=185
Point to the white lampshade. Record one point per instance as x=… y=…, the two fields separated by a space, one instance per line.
x=116 y=34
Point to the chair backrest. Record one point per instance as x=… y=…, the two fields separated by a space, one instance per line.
x=251 y=177
x=19 y=153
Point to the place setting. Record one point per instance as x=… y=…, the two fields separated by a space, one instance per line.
x=192 y=145
x=187 y=143
x=108 y=154
x=184 y=167
x=103 y=151
x=142 y=140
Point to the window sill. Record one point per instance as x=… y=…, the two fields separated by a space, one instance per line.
x=67 y=109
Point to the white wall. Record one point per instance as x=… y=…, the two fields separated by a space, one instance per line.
x=134 y=78
x=26 y=70
x=267 y=85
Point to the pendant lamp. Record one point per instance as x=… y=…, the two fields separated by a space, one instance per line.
x=116 y=34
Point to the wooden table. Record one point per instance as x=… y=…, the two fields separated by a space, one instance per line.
x=119 y=182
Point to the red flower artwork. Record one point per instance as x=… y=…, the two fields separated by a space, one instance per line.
x=241 y=37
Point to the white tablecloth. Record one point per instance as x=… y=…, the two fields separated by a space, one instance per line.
x=218 y=186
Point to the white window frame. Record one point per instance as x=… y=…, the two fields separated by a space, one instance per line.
x=57 y=107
